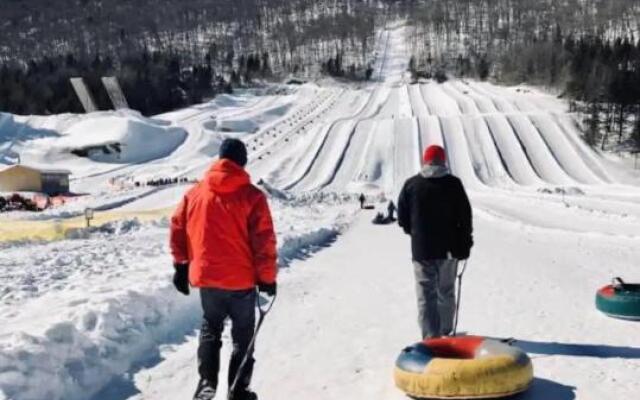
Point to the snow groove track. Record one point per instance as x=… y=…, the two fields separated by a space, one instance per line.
x=487 y=162
x=328 y=157
x=567 y=125
x=542 y=160
x=406 y=160
x=458 y=151
x=492 y=140
x=420 y=108
x=566 y=155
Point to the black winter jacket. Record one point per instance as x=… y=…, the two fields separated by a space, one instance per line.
x=436 y=212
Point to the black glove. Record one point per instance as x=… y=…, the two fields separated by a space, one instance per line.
x=268 y=288
x=181 y=278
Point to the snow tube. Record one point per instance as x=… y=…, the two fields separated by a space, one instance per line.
x=463 y=367
x=620 y=300
x=380 y=219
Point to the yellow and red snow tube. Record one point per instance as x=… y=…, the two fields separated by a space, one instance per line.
x=463 y=367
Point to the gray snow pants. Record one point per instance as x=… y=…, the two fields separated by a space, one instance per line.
x=435 y=286
x=239 y=306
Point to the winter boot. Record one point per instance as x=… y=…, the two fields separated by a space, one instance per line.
x=244 y=394
x=205 y=391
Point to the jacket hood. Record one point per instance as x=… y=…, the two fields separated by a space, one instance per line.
x=225 y=176
x=434 y=171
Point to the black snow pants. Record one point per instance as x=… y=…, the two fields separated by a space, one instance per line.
x=239 y=306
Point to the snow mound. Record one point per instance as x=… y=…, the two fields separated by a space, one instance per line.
x=296 y=247
x=119 y=227
x=122 y=137
x=250 y=123
x=238 y=125
x=225 y=100
x=73 y=359
x=13 y=131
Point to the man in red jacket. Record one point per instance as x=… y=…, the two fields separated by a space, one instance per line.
x=223 y=242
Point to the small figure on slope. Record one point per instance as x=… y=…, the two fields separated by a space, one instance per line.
x=434 y=209
x=391 y=209
x=362 y=200
x=223 y=241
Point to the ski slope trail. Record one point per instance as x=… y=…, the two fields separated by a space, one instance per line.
x=543 y=209
x=495 y=138
x=94 y=316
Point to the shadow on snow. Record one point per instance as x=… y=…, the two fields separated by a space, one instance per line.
x=578 y=350
x=547 y=389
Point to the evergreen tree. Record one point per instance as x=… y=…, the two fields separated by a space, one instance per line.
x=592 y=134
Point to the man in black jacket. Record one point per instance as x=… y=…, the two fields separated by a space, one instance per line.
x=434 y=209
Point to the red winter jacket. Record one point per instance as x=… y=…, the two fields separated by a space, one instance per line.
x=223 y=229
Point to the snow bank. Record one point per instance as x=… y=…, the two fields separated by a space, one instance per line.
x=93 y=308
x=238 y=125
x=302 y=246
x=122 y=137
x=73 y=358
x=12 y=132
x=86 y=143
x=113 y=228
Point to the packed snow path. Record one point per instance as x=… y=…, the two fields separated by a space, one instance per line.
x=343 y=316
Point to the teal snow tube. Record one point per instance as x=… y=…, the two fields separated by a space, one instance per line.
x=620 y=300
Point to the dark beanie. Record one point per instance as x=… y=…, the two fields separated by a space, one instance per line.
x=234 y=150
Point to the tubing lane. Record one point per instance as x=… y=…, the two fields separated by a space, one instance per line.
x=483 y=104
x=357 y=148
x=370 y=111
x=539 y=154
x=329 y=136
x=458 y=151
x=566 y=155
x=568 y=126
x=465 y=103
x=405 y=159
x=487 y=164
x=417 y=102
x=511 y=150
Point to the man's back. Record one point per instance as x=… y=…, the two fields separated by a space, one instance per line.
x=435 y=211
x=223 y=228
x=223 y=242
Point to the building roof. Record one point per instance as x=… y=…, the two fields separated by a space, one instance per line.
x=33 y=168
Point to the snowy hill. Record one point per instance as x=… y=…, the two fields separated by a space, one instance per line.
x=94 y=316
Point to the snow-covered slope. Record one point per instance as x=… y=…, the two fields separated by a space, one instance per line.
x=95 y=317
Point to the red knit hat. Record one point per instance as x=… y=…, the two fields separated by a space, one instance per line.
x=434 y=155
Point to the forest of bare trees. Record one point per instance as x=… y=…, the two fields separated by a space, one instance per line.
x=297 y=34
x=172 y=47
x=589 y=50
x=171 y=53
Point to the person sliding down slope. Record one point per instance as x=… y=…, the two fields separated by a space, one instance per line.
x=223 y=242
x=434 y=209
